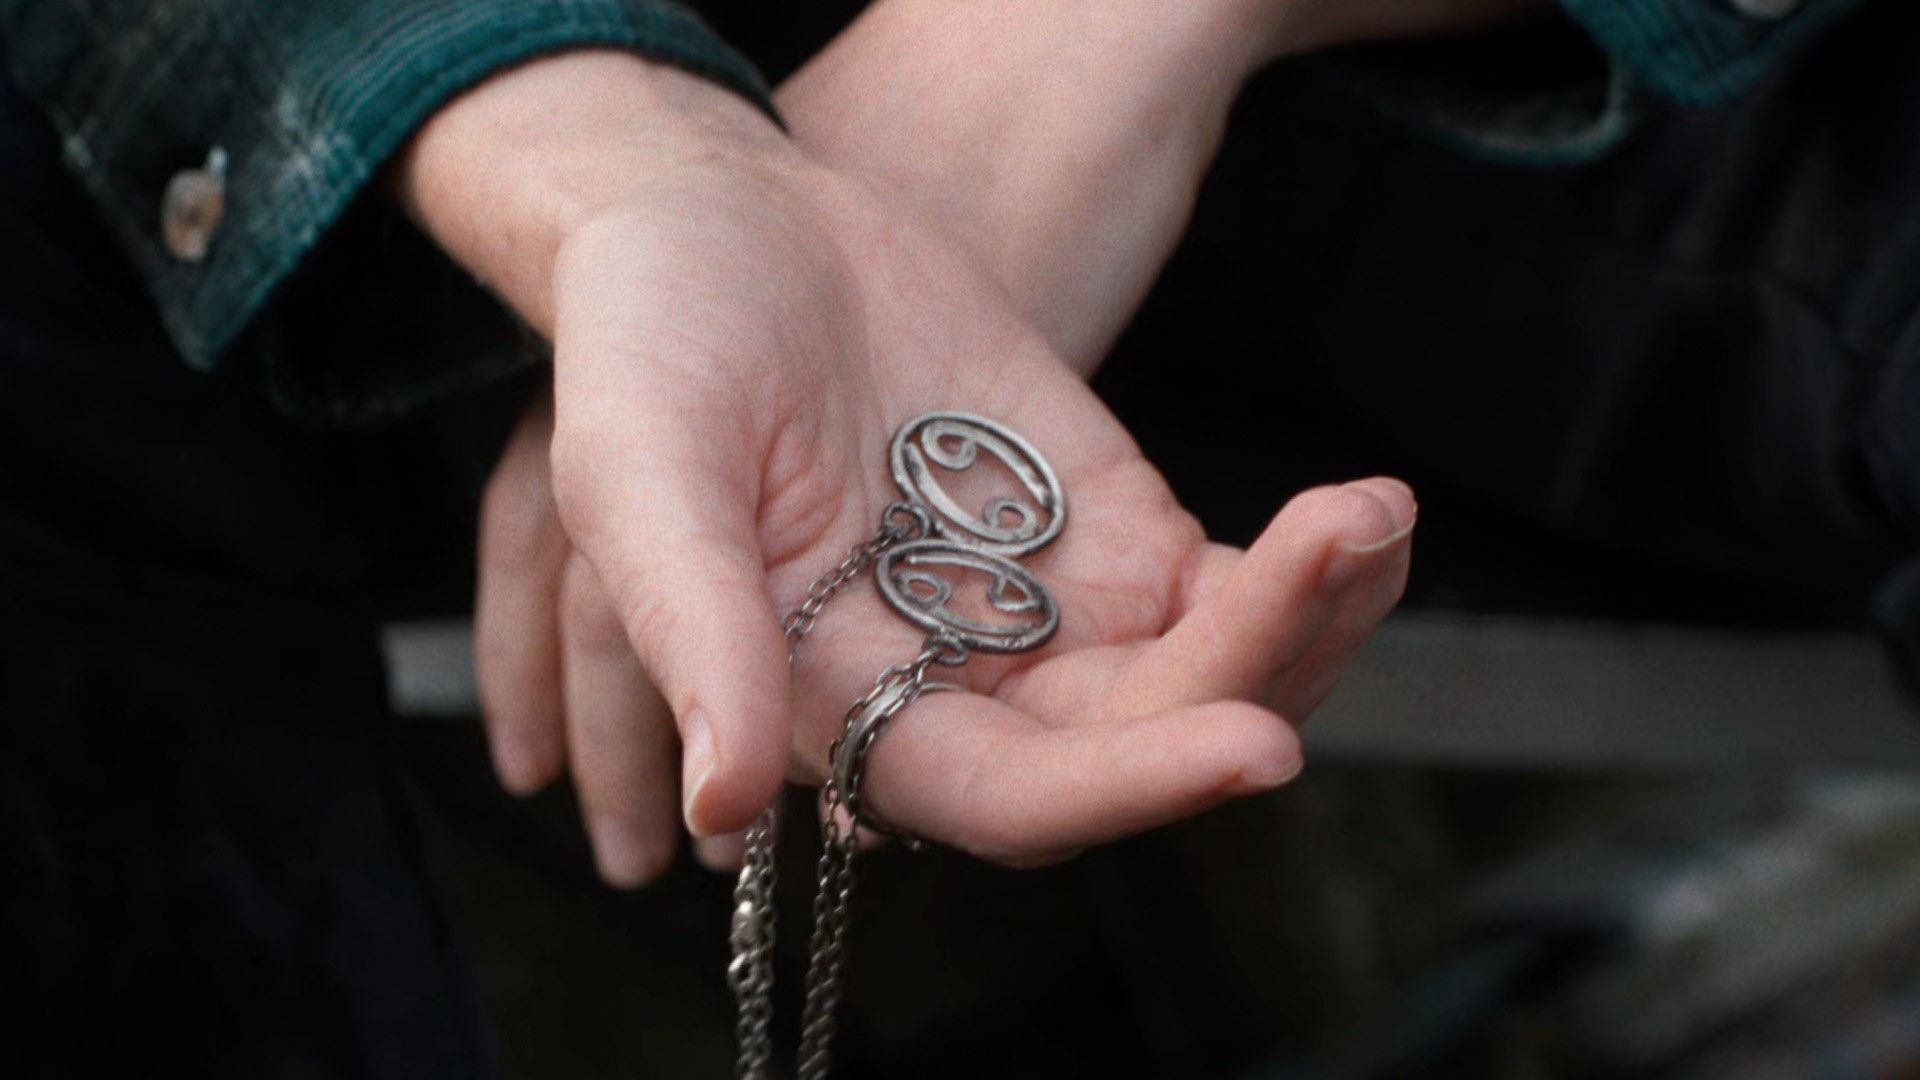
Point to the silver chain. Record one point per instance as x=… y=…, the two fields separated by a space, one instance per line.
x=752 y=939
x=901 y=522
x=904 y=543
x=751 y=972
x=827 y=949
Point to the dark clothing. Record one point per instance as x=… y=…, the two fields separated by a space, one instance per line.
x=210 y=867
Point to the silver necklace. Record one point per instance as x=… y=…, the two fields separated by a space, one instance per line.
x=919 y=541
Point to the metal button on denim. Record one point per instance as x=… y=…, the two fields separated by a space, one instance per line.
x=191 y=208
x=1765 y=9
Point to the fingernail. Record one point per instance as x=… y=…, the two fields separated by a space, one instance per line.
x=1382 y=544
x=697 y=758
x=621 y=851
x=1396 y=498
x=1269 y=775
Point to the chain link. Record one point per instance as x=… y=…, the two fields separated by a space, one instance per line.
x=827 y=949
x=833 y=902
x=910 y=677
x=752 y=939
x=900 y=523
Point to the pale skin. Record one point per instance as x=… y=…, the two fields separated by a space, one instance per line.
x=740 y=321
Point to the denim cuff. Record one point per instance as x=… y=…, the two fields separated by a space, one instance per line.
x=261 y=121
x=1701 y=52
x=1575 y=109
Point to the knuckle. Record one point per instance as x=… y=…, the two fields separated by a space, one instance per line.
x=651 y=622
x=573 y=474
x=588 y=618
x=658 y=598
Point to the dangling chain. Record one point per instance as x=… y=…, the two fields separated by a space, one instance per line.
x=901 y=522
x=927 y=530
x=752 y=939
x=751 y=972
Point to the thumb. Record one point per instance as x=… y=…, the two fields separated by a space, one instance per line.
x=1328 y=567
x=662 y=500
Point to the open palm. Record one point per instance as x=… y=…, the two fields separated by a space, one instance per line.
x=737 y=335
x=721 y=441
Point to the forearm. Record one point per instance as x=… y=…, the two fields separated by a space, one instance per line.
x=1064 y=142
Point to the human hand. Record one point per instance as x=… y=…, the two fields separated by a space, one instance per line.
x=737 y=333
x=1318 y=568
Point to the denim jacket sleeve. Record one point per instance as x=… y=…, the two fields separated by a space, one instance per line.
x=1701 y=52
x=257 y=123
x=1680 y=52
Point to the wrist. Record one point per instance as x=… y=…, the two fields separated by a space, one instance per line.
x=504 y=174
x=1061 y=143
